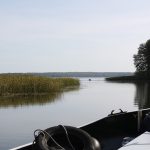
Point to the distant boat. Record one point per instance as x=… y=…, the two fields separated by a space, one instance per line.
x=122 y=130
x=90 y=79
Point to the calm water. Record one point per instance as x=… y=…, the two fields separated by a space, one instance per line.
x=93 y=100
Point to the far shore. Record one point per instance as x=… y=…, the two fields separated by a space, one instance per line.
x=131 y=78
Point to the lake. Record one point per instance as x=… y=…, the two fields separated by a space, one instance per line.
x=76 y=106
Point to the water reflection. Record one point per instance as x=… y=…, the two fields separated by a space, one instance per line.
x=142 y=94
x=16 y=101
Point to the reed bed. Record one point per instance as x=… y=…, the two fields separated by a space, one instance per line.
x=24 y=84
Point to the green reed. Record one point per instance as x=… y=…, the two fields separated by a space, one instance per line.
x=24 y=84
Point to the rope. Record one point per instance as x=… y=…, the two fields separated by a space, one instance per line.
x=67 y=137
x=44 y=133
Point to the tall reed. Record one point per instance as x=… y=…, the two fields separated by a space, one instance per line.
x=24 y=84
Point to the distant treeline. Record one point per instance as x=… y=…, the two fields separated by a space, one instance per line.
x=142 y=76
x=83 y=74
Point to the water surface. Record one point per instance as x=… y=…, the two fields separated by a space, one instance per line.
x=93 y=100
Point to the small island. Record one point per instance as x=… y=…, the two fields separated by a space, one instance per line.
x=142 y=65
x=25 y=84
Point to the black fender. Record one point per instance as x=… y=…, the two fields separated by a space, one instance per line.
x=79 y=139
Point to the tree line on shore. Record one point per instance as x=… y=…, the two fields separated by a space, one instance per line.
x=141 y=62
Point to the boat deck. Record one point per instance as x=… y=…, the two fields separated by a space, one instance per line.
x=142 y=142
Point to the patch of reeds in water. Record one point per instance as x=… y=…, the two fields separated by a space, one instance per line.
x=16 y=84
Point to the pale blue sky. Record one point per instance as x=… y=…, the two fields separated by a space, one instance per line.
x=71 y=35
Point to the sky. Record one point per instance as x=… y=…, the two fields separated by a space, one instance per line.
x=72 y=35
